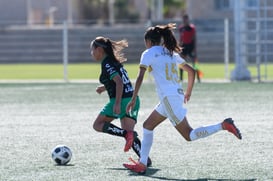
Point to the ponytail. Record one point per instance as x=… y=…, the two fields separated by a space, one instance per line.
x=111 y=48
x=155 y=34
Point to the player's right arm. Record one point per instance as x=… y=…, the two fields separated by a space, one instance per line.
x=100 y=89
x=139 y=80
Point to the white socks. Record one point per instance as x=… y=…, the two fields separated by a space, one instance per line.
x=195 y=134
x=146 y=145
x=203 y=132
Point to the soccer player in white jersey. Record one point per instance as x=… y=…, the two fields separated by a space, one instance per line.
x=161 y=59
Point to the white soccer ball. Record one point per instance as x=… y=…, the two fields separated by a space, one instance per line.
x=61 y=154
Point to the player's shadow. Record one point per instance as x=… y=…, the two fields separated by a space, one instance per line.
x=150 y=173
x=199 y=179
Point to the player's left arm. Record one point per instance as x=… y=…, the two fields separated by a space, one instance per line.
x=119 y=90
x=191 y=77
x=138 y=84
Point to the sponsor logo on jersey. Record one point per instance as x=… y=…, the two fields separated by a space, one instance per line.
x=111 y=70
x=180 y=91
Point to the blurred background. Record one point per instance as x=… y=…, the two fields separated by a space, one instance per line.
x=236 y=34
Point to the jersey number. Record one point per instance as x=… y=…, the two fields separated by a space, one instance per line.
x=126 y=82
x=124 y=76
x=171 y=72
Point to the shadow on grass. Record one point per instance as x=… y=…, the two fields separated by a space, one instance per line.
x=150 y=175
x=67 y=165
x=151 y=171
x=199 y=179
x=117 y=169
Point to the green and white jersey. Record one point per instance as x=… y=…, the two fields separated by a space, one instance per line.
x=109 y=69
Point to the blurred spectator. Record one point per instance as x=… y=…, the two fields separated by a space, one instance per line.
x=187 y=39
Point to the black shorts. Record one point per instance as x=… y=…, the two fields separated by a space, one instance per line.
x=187 y=50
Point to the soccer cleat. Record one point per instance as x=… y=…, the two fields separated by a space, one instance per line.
x=229 y=126
x=136 y=167
x=129 y=137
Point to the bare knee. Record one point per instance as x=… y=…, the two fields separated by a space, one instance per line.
x=184 y=129
x=95 y=126
x=148 y=126
x=187 y=135
x=98 y=126
x=153 y=120
x=100 y=122
x=145 y=125
x=187 y=138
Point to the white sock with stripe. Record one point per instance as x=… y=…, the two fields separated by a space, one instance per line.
x=146 y=145
x=203 y=132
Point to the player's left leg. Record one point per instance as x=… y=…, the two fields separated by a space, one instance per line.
x=177 y=114
x=193 y=134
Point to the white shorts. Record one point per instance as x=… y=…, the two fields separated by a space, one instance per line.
x=172 y=108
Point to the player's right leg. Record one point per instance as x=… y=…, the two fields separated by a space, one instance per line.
x=103 y=124
x=129 y=124
x=103 y=121
x=148 y=126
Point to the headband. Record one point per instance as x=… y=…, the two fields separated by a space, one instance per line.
x=99 y=44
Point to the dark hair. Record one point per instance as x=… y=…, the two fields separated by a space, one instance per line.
x=185 y=16
x=156 y=33
x=112 y=48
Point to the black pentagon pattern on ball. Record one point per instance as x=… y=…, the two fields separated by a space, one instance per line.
x=57 y=150
x=58 y=161
x=66 y=155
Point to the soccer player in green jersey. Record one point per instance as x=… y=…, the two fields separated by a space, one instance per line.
x=115 y=81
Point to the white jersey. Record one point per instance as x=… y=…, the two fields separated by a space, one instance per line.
x=163 y=67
